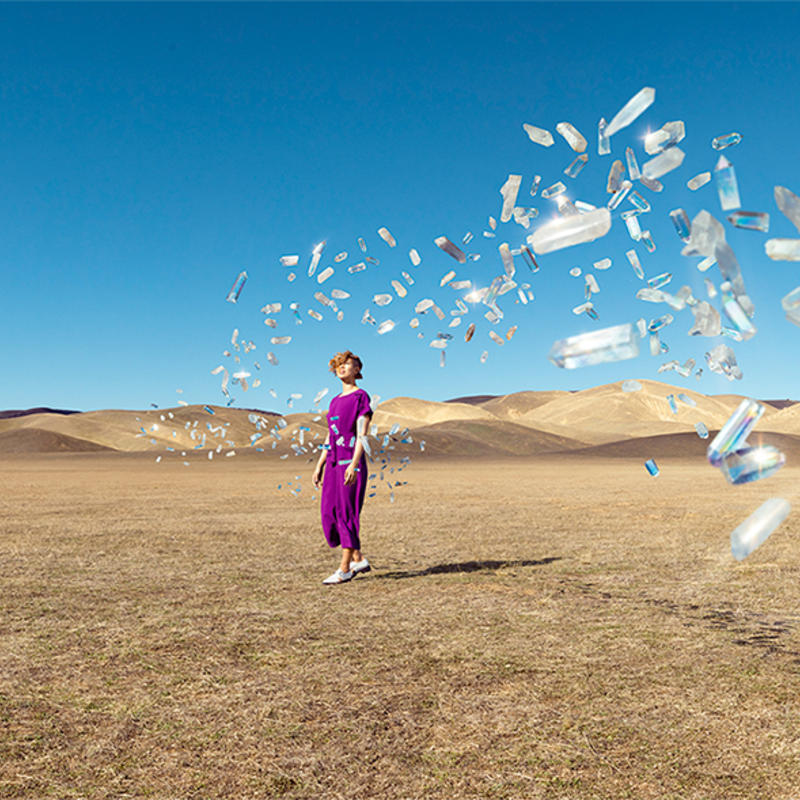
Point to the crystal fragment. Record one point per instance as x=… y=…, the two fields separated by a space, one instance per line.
x=315 y=314
x=508 y=260
x=641 y=326
x=650 y=295
x=706 y=263
x=702 y=430
x=783 y=249
x=649 y=244
x=750 y=220
x=614 y=182
x=642 y=100
x=634 y=173
x=660 y=322
x=289 y=261
x=673 y=406
x=474 y=256
x=639 y=201
x=399 y=288
x=591 y=283
x=634 y=229
x=574 y=138
x=414 y=256
x=755 y=530
x=575 y=272
x=616 y=343
x=443 y=243
x=631 y=386
x=386 y=236
x=603 y=143
x=583 y=206
x=734 y=432
x=495 y=338
x=489 y=234
x=325 y=274
x=791 y=305
x=721 y=142
x=789 y=204
x=538 y=135
x=469 y=332
x=385 y=326
x=583 y=308
x=633 y=258
x=360 y=267
x=414 y=323
x=382 y=299
x=371 y=260
x=734 y=312
x=467 y=238
x=665 y=137
x=555 y=189
x=447 y=277
x=651 y=467
x=529 y=259
x=316 y=254
x=423 y=305
x=603 y=263
x=576 y=165
x=339 y=294
x=290 y=277
x=727 y=187
x=236 y=289
x=660 y=280
x=619 y=196
x=681 y=222
x=362 y=244
x=537 y=179
x=568 y=231
x=273 y=359
x=655 y=344
x=707 y=321
x=509 y=191
x=701 y=179
x=711 y=290
x=705 y=233
x=752 y=463
x=281 y=339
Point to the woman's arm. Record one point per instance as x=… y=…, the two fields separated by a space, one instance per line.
x=323 y=456
x=361 y=430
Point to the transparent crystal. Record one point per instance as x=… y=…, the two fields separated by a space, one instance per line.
x=681 y=222
x=741 y=322
x=360 y=267
x=631 y=386
x=735 y=431
x=509 y=191
x=386 y=236
x=414 y=257
x=639 y=201
x=372 y=260
x=667 y=365
x=663 y=163
x=705 y=233
x=651 y=466
x=791 y=302
x=382 y=299
x=575 y=272
x=616 y=343
x=706 y=263
x=659 y=323
x=574 y=138
x=508 y=260
x=789 y=204
x=666 y=136
x=634 y=173
x=647 y=238
x=423 y=305
x=730 y=271
x=385 y=326
x=707 y=320
x=443 y=243
x=236 y=289
x=281 y=339
x=750 y=220
x=641 y=327
x=538 y=135
x=634 y=229
x=752 y=463
x=555 y=189
x=673 y=406
x=755 y=530
x=315 y=314
x=651 y=183
x=289 y=261
x=686 y=400
x=711 y=290
x=651 y=295
x=619 y=196
x=340 y=257
x=584 y=308
x=721 y=142
x=569 y=231
x=316 y=255
x=701 y=179
x=783 y=249
x=633 y=258
x=529 y=258
x=576 y=165
x=339 y=294
x=583 y=206
x=702 y=430
x=614 y=182
x=660 y=280
x=399 y=288
x=591 y=283
x=603 y=142
x=642 y=100
x=727 y=187
x=325 y=274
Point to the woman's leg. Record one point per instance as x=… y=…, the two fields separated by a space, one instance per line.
x=347 y=555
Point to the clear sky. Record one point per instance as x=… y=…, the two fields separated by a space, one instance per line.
x=151 y=152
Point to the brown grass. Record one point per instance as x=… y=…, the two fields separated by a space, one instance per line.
x=551 y=628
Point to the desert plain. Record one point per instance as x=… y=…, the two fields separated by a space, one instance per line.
x=543 y=618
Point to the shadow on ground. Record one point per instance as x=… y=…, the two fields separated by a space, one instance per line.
x=465 y=566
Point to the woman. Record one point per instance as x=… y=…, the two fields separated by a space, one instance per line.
x=345 y=479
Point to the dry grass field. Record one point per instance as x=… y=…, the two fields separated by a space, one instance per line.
x=560 y=627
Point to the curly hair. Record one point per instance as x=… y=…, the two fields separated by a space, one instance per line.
x=341 y=358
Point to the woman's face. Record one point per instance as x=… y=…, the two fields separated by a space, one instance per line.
x=347 y=370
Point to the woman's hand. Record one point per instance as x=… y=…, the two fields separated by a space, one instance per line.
x=350 y=474
x=317 y=476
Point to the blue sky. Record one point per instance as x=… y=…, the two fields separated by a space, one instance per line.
x=153 y=151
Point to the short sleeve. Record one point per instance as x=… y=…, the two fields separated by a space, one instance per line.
x=363 y=405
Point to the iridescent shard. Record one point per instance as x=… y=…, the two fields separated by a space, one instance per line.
x=236 y=289
x=447 y=277
x=755 y=530
x=649 y=244
x=574 y=138
x=641 y=101
x=575 y=272
x=705 y=233
x=537 y=179
x=362 y=244
x=673 y=406
x=614 y=182
x=651 y=183
x=556 y=189
x=289 y=261
x=711 y=290
x=315 y=314
x=414 y=256
x=495 y=338
x=701 y=179
x=791 y=305
x=592 y=286
x=660 y=280
x=752 y=463
x=386 y=236
x=619 y=196
x=727 y=187
x=400 y=290
x=325 y=274
x=360 y=267
x=443 y=243
x=707 y=321
x=666 y=136
x=633 y=258
x=509 y=191
x=651 y=467
x=538 y=135
x=663 y=163
x=660 y=322
x=603 y=263
x=750 y=220
x=721 y=142
x=631 y=386
x=681 y=222
x=608 y=344
x=529 y=258
x=634 y=229
x=576 y=165
x=783 y=249
x=382 y=299
x=385 y=326
x=789 y=204
x=706 y=263
x=603 y=143
x=734 y=432
x=316 y=255
x=568 y=231
x=340 y=257
x=702 y=430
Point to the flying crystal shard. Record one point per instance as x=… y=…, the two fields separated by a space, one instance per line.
x=591 y=283
x=634 y=229
x=423 y=305
x=752 y=463
x=634 y=173
x=289 y=261
x=673 y=406
x=659 y=323
x=631 y=386
x=734 y=432
x=537 y=179
x=382 y=299
x=385 y=326
x=711 y=290
x=316 y=255
x=721 y=142
x=315 y=314
x=414 y=257
x=469 y=332
x=702 y=430
x=467 y=238
x=583 y=308
x=281 y=339
x=236 y=289
x=666 y=136
x=443 y=243
x=660 y=280
x=655 y=344
x=756 y=529
x=575 y=272
x=663 y=163
x=701 y=179
x=783 y=249
x=603 y=142
x=705 y=233
x=619 y=196
x=730 y=271
x=750 y=220
x=789 y=204
x=583 y=206
x=681 y=222
x=538 y=135
x=652 y=184
x=641 y=326
x=651 y=467
x=568 y=231
x=740 y=320
x=495 y=338
x=651 y=295
x=706 y=263
x=360 y=267
x=556 y=189
x=791 y=305
x=633 y=258
x=447 y=277
x=529 y=259
x=509 y=190
x=603 y=263
x=508 y=260
x=386 y=236
x=686 y=400
x=614 y=182
x=400 y=290
x=616 y=343
x=574 y=138
x=565 y=206
x=339 y=294
x=325 y=274
x=576 y=165
x=707 y=321
x=727 y=187
x=642 y=100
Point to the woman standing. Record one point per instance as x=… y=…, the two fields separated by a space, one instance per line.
x=345 y=478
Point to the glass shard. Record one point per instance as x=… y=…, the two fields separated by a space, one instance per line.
x=289 y=261
x=734 y=432
x=721 y=142
x=634 y=229
x=443 y=243
x=447 y=277
x=663 y=163
x=603 y=142
x=616 y=343
x=651 y=183
x=752 y=463
x=386 y=236
x=702 y=430
x=556 y=189
x=619 y=196
x=673 y=406
x=568 y=231
x=575 y=272
x=642 y=100
x=651 y=466
x=783 y=249
x=509 y=191
x=701 y=179
x=750 y=220
x=633 y=258
x=316 y=255
x=236 y=289
x=615 y=173
x=360 y=267
x=634 y=173
x=660 y=280
x=666 y=136
x=727 y=187
x=385 y=326
x=681 y=222
x=538 y=135
x=574 y=138
x=382 y=299
x=576 y=165
x=325 y=274
x=603 y=263
x=756 y=529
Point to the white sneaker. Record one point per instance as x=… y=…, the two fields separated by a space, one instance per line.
x=339 y=577
x=357 y=567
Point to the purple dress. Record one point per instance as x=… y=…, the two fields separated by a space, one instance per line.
x=341 y=505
